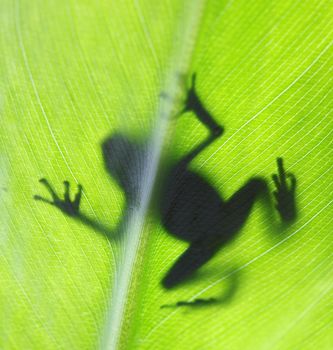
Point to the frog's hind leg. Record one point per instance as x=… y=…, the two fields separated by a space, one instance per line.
x=191 y=260
x=237 y=209
x=232 y=216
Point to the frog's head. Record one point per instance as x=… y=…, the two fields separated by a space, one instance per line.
x=122 y=161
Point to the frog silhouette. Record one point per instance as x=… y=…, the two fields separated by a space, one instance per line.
x=189 y=206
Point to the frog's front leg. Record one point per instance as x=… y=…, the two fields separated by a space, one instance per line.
x=72 y=207
x=285 y=193
x=194 y=104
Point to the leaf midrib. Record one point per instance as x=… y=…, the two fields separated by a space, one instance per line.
x=180 y=66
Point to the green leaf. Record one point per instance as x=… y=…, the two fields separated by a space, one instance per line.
x=75 y=72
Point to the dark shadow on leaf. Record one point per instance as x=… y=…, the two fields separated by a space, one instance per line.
x=231 y=281
x=189 y=207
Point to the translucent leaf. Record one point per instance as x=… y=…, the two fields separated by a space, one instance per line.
x=76 y=74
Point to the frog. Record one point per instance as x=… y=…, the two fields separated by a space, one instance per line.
x=189 y=206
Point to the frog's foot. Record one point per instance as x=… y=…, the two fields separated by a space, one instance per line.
x=66 y=205
x=285 y=193
x=191 y=101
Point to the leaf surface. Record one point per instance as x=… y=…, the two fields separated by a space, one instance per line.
x=75 y=72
